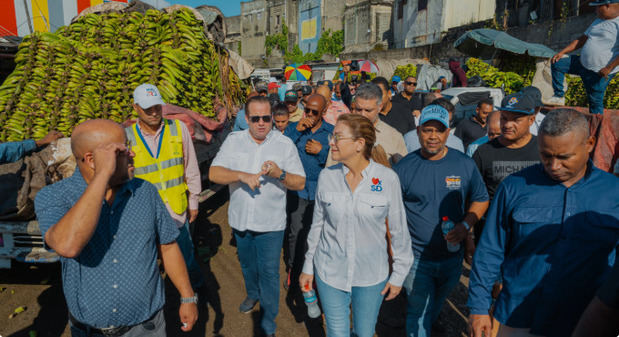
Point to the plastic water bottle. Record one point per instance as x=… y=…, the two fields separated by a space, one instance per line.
x=313 y=311
x=447 y=225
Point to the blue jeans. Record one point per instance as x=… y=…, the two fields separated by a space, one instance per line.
x=427 y=286
x=366 y=303
x=186 y=246
x=595 y=85
x=259 y=254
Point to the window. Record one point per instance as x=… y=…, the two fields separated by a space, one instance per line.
x=400 y=9
x=277 y=20
x=422 y=5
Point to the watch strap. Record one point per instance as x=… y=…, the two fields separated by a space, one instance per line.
x=466 y=225
x=193 y=299
x=282 y=176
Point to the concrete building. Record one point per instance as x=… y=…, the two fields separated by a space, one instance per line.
x=367 y=25
x=424 y=22
x=253 y=30
x=233 y=33
x=316 y=17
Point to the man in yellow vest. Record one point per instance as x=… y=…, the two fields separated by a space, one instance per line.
x=165 y=157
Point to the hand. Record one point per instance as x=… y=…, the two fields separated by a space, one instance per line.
x=469 y=249
x=270 y=169
x=251 y=180
x=457 y=234
x=188 y=313
x=479 y=324
x=313 y=146
x=306 y=281
x=392 y=290
x=557 y=57
x=193 y=215
x=50 y=137
x=304 y=124
x=104 y=157
x=604 y=72
x=416 y=113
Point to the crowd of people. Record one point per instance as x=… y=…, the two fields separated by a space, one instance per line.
x=369 y=189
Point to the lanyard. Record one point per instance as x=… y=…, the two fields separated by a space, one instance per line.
x=137 y=127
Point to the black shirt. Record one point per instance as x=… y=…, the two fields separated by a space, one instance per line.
x=400 y=117
x=469 y=131
x=609 y=292
x=496 y=161
x=415 y=103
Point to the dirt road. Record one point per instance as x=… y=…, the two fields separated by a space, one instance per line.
x=39 y=289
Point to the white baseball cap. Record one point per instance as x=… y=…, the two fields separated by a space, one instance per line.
x=147 y=95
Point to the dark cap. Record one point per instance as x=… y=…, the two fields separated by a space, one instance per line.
x=306 y=90
x=327 y=83
x=297 y=86
x=535 y=94
x=291 y=96
x=519 y=103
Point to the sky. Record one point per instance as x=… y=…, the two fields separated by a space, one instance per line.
x=228 y=7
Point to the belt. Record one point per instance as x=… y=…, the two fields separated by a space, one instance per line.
x=89 y=330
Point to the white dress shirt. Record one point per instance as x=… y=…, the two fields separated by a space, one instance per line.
x=264 y=209
x=347 y=245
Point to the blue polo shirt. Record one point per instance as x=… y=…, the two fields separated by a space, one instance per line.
x=115 y=280
x=553 y=246
x=432 y=189
x=13 y=151
x=312 y=163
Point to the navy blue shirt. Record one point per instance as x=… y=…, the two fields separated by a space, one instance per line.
x=312 y=163
x=115 y=280
x=432 y=189
x=553 y=246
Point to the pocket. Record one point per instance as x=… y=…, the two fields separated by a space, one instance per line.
x=600 y=227
x=333 y=205
x=374 y=206
x=535 y=220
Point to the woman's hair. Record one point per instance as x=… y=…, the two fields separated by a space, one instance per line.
x=361 y=127
x=280 y=109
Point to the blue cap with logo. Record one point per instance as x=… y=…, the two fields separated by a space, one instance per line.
x=396 y=78
x=147 y=95
x=518 y=102
x=434 y=112
x=604 y=2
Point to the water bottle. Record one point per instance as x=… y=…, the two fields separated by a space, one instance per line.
x=313 y=311
x=447 y=225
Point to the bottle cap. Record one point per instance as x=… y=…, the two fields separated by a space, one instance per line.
x=445 y=218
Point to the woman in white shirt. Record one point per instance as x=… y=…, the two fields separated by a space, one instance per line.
x=347 y=246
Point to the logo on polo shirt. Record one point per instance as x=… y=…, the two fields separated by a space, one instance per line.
x=376 y=185
x=453 y=182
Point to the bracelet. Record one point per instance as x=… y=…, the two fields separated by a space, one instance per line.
x=466 y=225
x=193 y=299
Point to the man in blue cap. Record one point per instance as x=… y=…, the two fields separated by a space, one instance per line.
x=598 y=61
x=437 y=182
x=552 y=233
x=395 y=80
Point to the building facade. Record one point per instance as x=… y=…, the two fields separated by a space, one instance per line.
x=367 y=25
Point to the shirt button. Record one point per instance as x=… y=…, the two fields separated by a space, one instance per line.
x=115 y=261
x=111 y=212
x=114 y=237
x=115 y=286
x=114 y=310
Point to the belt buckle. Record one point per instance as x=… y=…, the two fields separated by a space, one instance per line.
x=115 y=331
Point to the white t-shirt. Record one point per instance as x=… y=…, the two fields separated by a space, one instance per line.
x=264 y=209
x=602 y=45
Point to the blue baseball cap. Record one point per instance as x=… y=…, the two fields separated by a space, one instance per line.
x=434 y=112
x=600 y=3
x=518 y=102
x=396 y=79
x=147 y=95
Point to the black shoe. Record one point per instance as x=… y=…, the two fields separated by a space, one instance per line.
x=247 y=305
x=271 y=335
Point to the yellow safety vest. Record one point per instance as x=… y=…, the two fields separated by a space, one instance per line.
x=167 y=170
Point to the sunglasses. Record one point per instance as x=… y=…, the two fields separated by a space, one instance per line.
x=313 y=112
x=411 y=83
x=256 y=119
x=119 y=153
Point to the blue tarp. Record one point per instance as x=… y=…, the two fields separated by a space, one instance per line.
x=483 y=42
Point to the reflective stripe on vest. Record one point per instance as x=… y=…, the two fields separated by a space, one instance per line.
x=167 y=172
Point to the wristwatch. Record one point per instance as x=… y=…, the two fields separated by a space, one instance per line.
x=193 y=299
x=466 y=225
x=282 y=176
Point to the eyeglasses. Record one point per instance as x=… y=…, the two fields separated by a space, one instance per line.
x=337 y=138
x=311 y=111
x=124 y=152
x=411 y=83
x=256 y=119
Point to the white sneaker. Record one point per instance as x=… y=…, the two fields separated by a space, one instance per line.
x=554 y=100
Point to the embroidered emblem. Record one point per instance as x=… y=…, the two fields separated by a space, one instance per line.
x=150 y=92
x=513 y=101
x=376 y=185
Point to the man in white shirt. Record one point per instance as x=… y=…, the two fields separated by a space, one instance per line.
x=598 y=61
x=259 y=165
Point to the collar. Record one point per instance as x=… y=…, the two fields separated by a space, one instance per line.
x=270 y=135
x=156 y=132
x=585 y=179
x=365 y=173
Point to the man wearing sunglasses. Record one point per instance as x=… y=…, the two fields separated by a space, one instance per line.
x=311 y=137
x=258 y=165
x=409 y=96
x=397 y=114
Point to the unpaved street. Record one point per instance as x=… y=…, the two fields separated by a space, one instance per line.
x=39 y=289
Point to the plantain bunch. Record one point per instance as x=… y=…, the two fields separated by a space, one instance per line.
x=90 y=68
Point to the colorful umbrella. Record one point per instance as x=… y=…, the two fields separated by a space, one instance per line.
x=295 y=72
x=368 y=66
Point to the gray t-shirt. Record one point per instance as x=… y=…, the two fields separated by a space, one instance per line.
x=602 y=45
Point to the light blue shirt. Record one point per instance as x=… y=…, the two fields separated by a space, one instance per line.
x=240 y=123
x=412 y=142
x=474 y=145
x=602 y=45
x=13 y=151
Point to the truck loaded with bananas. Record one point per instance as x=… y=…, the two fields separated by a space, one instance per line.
x=89 y=69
